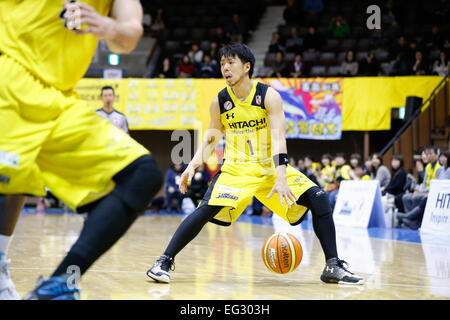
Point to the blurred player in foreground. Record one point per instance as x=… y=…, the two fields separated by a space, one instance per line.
x=256 y=164
x=50 y=138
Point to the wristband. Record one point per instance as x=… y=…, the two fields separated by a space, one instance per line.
x=281 y=159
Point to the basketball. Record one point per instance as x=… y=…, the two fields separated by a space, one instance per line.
x=282 y=253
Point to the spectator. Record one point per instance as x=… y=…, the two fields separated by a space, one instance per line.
x=327 y=172
x=444 y=160
x=301 y=165
x=159 y=22
x=378 y=39
x=208 y=68
x=390 y=14
x=173 y=195
x=297 y=67
x=108 y=112
x=369 y=66
x=441 y=66
x=434 y=40
x=399 y=66
x=338 y=27
x=309 y=171
x=343 y=172
x=236 y=30
x=368 y=166
x=380 y=172
x=400 y=47
x=292 y=162
x=397 y=184
x=275 y=44
x=220 y=37
x=294 y=43
x=349 y=67
x=199 y=184
x=360 y=174
x=196 y=54
x=432 y=171
x=214 y=52
x=186 y=68
x=355 y=160
x=312 y=42
x=291 y=13
x=419 y=66
x=167 y=69
x=313 y=6
x=279 y=68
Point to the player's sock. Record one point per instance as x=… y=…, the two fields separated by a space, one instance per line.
x=190 y=228
x=111 y=217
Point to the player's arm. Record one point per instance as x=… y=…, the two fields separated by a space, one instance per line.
x=121 y=31
x=277 y=123
x=212 y=138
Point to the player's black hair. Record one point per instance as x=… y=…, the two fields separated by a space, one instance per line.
x=240 y=50
x=108 y=88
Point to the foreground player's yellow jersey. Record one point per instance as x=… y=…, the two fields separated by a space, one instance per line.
x=247 y=131
x=32 y=33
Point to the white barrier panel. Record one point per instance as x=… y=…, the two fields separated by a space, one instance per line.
x=436 y=218
x=359 y=204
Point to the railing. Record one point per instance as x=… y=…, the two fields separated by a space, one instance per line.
x=424 y=127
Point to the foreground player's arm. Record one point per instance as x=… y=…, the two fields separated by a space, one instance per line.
x=212 y=138
x=121 y=31
x=277 y=123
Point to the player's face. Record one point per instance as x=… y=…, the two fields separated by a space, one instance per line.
x=108 y=97
x=233 y=70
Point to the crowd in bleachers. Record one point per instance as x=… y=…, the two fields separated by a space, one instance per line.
x=317 y=38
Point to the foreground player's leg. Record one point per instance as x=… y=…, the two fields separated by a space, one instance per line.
x=107 y=222
x=335 y=270
x=10 y=207
x=186 y=232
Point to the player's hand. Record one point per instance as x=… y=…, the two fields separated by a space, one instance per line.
x=282 y=188
x=186 y=178
x=100 y=26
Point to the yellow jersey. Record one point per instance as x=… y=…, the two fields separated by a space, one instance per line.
x=431 y=172
x=247 y=132
x=32 y=33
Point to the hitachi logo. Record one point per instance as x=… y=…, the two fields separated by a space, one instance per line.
x=247 y=124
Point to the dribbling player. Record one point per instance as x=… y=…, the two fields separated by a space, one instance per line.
x=251 y=115
x=50 y=138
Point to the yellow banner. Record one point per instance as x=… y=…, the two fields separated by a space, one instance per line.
x=169 y=104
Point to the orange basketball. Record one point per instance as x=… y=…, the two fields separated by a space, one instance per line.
x=282 y=253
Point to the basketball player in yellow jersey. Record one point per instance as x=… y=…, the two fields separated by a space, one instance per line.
x=50 y=138
x=251 y=115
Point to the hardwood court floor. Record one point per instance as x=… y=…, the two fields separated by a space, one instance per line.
x=225 y=263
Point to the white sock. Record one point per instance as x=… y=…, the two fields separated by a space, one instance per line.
x=4 y=245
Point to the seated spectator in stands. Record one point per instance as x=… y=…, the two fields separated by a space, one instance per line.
x=327 y=172
x=434 y=40
x=294 y=43
x=186 y=68
x=173 y=195
x=349 y=66
x=208 y=69
x=355 y=160
x=378 y=39
x=397 y=184
x=291 y=13
x=220 y=37
x=214 y=52
x=236 y=29
x=419 y=66
x=199 y=184
x=441 y=66
x=360 y=174
x=301 y=165
x=167 y=70
x=275 y=44
x=297 y=67
x=369 y=66
x=432 y=171
x=313 y=6
x=312 y=41
x=400 y=47
x=444 y=161
x=380 y=172
x=196 y=54
x=400 y=66
x=368 y=166
x=292 y=161
x=159 y=22
x=279 y=68
x=343 y=172
x=338 y=27
x=309 y=171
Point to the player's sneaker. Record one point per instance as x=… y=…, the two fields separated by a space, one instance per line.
x=161 y=269
x=54 y=288
x=336 y=271
x=7 y=289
